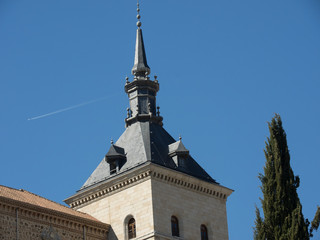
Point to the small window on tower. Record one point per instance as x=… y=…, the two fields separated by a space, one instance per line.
x=113 y=168
x=175 y=226
x=143 y=91
x=132 y=228
x=204 y=232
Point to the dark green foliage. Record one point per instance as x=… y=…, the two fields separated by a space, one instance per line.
x=282 y=210
x=315 y=223
x=259 y=232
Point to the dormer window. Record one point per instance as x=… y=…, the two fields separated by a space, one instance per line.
x=178 y=153
x=113 y=168
x=116 y=158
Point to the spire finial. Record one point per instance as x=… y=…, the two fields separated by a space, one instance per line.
x=140 y=68
x=138 y=15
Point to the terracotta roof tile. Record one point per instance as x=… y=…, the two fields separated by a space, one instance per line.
x=33 y=199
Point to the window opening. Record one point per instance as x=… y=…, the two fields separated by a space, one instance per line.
x=132 y=228
x=175 y=226
x=113 y=168
x=204 y=232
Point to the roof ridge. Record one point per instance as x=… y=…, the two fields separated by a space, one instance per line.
x=9 y=187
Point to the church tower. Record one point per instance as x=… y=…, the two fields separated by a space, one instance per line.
x=148 y=186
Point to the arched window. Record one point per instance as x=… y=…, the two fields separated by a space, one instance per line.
x=204 y=232
x=131 y=228
x=175 y=226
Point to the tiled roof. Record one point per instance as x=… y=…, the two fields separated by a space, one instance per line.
x=29 y=198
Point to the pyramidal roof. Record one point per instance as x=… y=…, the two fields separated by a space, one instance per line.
x=144 y=139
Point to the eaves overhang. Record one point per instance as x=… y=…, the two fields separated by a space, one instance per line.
x=145 y=172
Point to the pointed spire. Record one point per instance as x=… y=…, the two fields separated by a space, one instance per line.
x=142 y=91
x=140 y=67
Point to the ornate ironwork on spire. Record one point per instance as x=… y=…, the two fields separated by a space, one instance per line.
x=140 y=67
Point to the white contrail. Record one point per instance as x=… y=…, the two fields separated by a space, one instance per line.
x=68 y=108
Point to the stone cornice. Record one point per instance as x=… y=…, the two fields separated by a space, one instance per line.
x=189 y=182
x=112 y=186
x=143 y=173
x=132 y=86
x=63 y=220
x=144 y=118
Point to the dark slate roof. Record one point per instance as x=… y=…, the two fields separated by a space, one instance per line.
x=115 y=151
x=140 y=66
x=177 y=147
x=147 y=142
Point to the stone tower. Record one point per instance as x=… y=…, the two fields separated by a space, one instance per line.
x=148 y=186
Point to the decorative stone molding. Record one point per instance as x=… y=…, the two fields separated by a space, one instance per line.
x=110 y=189
x=212 y=190
x=143 y=173
x=54 y=218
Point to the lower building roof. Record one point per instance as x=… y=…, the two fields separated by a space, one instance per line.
x=21 y=197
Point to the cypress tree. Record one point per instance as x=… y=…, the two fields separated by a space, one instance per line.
x=282 y=210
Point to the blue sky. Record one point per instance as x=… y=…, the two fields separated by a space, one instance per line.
x=224 y=68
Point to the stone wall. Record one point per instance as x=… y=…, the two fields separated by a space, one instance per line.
x=7 y=225
x=114 y=209
x=152 y=194
x=191 y=208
